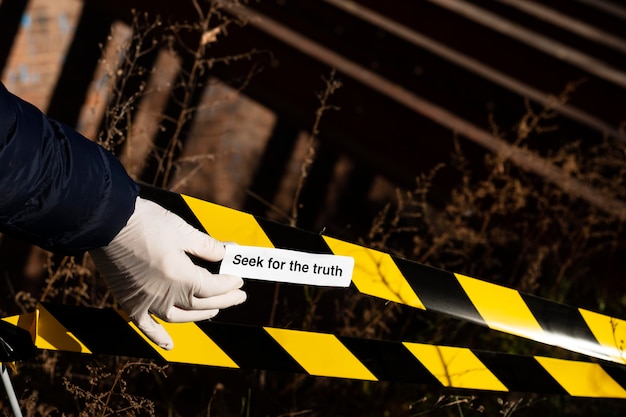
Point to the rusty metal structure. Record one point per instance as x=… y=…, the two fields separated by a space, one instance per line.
x=416 y=76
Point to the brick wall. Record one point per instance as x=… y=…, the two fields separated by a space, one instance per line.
x=37 y=53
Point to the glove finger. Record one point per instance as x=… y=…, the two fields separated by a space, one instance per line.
x=153 y=331
x=200 y=244
x=229 y=299
x=180 y=315
x=210 y=285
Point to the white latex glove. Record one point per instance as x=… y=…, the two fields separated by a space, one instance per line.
x=147 y=270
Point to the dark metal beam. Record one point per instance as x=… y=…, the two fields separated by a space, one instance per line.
x=11 y=12
x=80 y=63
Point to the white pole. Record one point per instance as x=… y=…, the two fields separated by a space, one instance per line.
x=6 y=381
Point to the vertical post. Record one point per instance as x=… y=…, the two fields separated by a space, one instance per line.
x=6 y=381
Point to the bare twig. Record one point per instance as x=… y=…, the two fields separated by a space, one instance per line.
x=332 y=84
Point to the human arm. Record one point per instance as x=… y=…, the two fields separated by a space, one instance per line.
x=60 y=191
x=67 y=194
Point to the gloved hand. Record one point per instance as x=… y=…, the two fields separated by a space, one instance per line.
x=146 y=268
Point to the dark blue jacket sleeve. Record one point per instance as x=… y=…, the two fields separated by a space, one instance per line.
x=58 y=190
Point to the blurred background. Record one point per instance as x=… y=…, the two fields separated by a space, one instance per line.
x=482 y=137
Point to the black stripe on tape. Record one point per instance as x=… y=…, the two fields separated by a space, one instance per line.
x=16 y=343
x=438 y=290
x=389 y=361
x=250 y=347
x=560 y=319
x=286 y=237
x=520 y=373
x=618 y=373
x=174 y=202
x=102 y=331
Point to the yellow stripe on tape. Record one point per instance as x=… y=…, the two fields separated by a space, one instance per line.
x=375 y=273
x=495 y=303
x=610 y=333
x=228 y=225
x=191 y=345
x=321 y=354
x=27 y=321
x=15 y=320
x=50 y=334
x=582 y=379
x=455 y=367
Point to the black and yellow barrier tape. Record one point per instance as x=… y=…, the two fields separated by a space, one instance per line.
x=396 y=279
x=210 y=343
x=375 y=273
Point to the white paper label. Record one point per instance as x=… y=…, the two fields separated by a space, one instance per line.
x=282 y=265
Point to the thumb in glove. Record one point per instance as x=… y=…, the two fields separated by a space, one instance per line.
x=147 y=269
